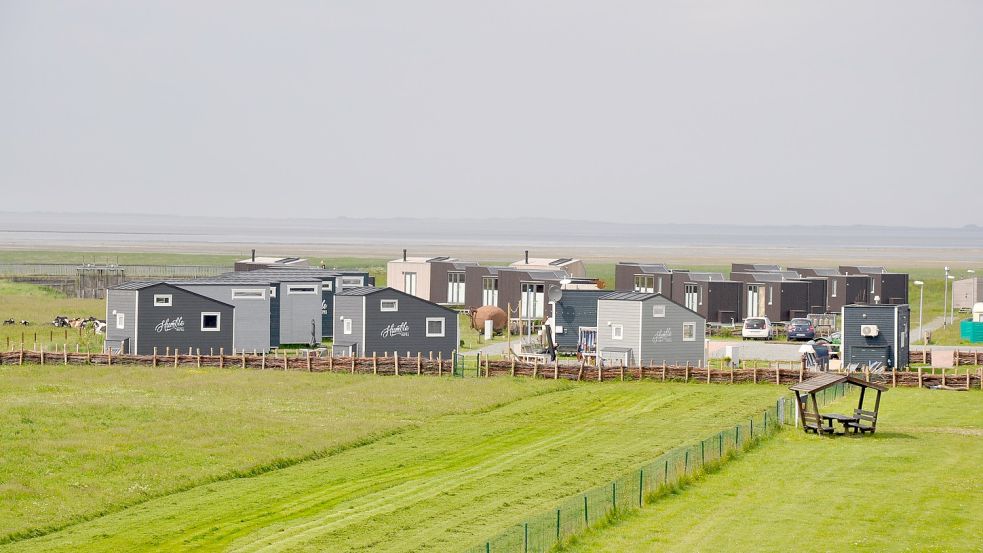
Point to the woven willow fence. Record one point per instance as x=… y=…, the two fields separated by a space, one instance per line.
x=634 y=490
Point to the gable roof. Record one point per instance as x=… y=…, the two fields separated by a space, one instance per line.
x=643 y=296
x=647 y=268
x=141 y=285
x=369 y=290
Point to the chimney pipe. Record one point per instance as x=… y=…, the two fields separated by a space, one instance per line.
x=404 y=254
x=254 y=255
x=527 y=257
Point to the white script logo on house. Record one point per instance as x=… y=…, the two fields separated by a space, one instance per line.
x=662 y=336
x=401 y=329
x=168 y=325
x=324 y=307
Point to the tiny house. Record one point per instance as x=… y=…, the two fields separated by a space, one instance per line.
x=437 y=279
x=295 y=297
x=484 y=286
x=967 y=292
x=885 y=287
x=144 y=316
x=575 y=323
x=257 y=263
x=385 y=320
x=635 y=328
x=649 y=278
x=574 y=268
x=251 y=299
x=876 y=333
x=713 y=296
x=780 y=296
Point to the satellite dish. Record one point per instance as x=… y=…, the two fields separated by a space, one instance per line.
x=555 y=294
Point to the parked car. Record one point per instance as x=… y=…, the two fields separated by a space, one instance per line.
x=800 y=329
x=757 y=327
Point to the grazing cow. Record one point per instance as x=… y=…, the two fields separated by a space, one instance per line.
x=60 y=321
x=25 y=323
x=77 y=323
x=9 y=322
x=100 y=327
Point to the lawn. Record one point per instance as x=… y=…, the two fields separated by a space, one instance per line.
x=40 y=305
x=129 y=459
x=913 y=486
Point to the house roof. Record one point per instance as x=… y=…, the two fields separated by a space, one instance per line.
x=369 y=290
x=642 y=296
x=271 y=260
x=707 y=277
x=136 y=285
x=140 y=285
x=648 y=268
x=419 y=259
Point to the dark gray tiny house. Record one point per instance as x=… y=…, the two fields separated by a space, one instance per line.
x=381 y=320
x=482 y=286
x=713 y=296
x=886 y=339
x=142 y=316
x=650 y=278
x=635 y=328
x=780 y=296
x=576 y=313
x=885 y=287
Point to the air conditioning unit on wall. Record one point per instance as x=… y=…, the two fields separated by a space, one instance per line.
x=868 y=331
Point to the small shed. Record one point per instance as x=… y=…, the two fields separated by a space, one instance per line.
x=379 y=320
x=635 y=328
x=142 y=316
x=876 y=334
x=861 y=420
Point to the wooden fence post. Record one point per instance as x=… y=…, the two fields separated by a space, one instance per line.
x=686 y=374
x=663 y=370
x=64 y=350
x=621 y=370
x=419 y=363
x=600 y=376
x=353 y=364
x=262 y=360
x=556 y=369
x=778 y=378
x=396 y=357
x=244 y=359
x=154 y=364
x=919 y=377
x=308 y=360
x=375 y=364
x=512 y=370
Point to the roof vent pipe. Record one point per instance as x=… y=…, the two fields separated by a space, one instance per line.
x=404 y=254
x=254 y=255
x=527 y=257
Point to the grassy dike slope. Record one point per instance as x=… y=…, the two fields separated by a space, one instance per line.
x=913 y=486
x=442 y=485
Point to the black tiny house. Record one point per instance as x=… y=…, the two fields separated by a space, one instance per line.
x=385 y=320
x=144 y=317
x=711 y=295
x=885 y=287
x=648 y=278
x=779 y=296
x=576 y=313
x=876 y=333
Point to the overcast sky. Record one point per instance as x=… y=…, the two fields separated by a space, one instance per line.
x=649 y=111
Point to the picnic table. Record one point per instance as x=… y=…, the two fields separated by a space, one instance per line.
x=842 y=419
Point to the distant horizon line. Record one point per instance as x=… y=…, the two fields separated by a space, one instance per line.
x=275 y=218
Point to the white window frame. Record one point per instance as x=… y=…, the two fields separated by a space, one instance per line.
x=218 y=321
x=443 y=327
x=346 y=326
x=168 y=297
x=532 y=309
x=489 y=294
x=393 y=305
x=659 y=310
x=692 y=337
x=645 y=284
x=409 y=283
x=120 y=320
x=327 y=285
x=352 y=281
x=691 y=291
x=771 y=294
x=250 y=293
x=301 y=290
x=617 y=332
x=455 y=287
x=272 y=291
x=833 y=294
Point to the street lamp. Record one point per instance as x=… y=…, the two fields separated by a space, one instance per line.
x=921 y=308
x=945 y=296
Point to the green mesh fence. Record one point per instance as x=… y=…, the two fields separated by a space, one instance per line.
x=542 y=533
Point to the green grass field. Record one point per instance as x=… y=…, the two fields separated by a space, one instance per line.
x=133 y=458
x=40 y=305
x=913 y=486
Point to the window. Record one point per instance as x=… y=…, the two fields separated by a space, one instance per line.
x=659 y=288
x=211 y=322
x=389 y=305
x=435 y=327
x=249 y=294
x=347 y=326
x=163 y=300
x=352 y=281
x=689 y=332
x=755 y=301
x=771 y=294
x=327 y=285
x=833 y=293
x=489 y=291
x=301 y=289
x=531 y=300
x=617 y=332
x=120 y=320
x=658 y=310
x=272 y=291
x=409 y=283
x=645 y=284
x=455 y=287
x=691 y=295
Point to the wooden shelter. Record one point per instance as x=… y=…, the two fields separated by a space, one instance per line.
x=813 y=421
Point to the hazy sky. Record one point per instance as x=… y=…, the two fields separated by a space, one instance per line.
x=649 y=111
